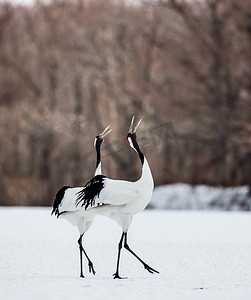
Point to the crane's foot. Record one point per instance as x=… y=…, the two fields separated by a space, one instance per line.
x=116 y=275
x=91 y=268
x=82 y=276
x=149 y=269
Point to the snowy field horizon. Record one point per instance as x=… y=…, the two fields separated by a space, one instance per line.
x=200 y=255
x=182 y=196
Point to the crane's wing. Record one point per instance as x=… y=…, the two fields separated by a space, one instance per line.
x=117 y=192
x=87 y=196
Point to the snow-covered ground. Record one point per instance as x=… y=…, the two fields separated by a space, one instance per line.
x=200 y=255
x=200 y=197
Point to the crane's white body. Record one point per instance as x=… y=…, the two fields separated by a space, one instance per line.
x=75 y=215
x=124 y=198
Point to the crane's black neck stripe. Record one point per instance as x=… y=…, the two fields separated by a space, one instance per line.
x=86 y=197
x=141 y=155
x=136 y=147
x=98 y=158
x=98 y=145
x=58 y=199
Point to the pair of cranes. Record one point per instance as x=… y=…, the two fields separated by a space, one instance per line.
x=119 y=200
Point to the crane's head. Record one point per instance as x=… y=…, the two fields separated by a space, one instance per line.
x=131 y=136
x=98 y=140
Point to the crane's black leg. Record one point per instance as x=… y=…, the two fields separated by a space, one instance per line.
x=116 y=274
x=81 y=257
x=90 y=264
x=146 y=266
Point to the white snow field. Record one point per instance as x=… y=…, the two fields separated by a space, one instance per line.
x=200 y=255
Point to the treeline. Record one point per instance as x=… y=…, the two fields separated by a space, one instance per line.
x=70 y=68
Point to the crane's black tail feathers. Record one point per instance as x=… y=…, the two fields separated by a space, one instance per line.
x=58 y=199
x=86 y=197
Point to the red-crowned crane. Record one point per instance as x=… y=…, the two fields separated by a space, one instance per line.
x=120 y=200
x=65 y=205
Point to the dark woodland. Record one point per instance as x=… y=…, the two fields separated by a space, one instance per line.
x=70 y=68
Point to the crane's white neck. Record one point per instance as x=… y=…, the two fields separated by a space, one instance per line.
x=146 y=176
x=98 y=169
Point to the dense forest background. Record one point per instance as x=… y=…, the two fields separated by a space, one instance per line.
x=70 y=68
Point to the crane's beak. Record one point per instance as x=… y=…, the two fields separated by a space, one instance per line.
x=105 y=132
x=131 y=126
x=136 y=127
